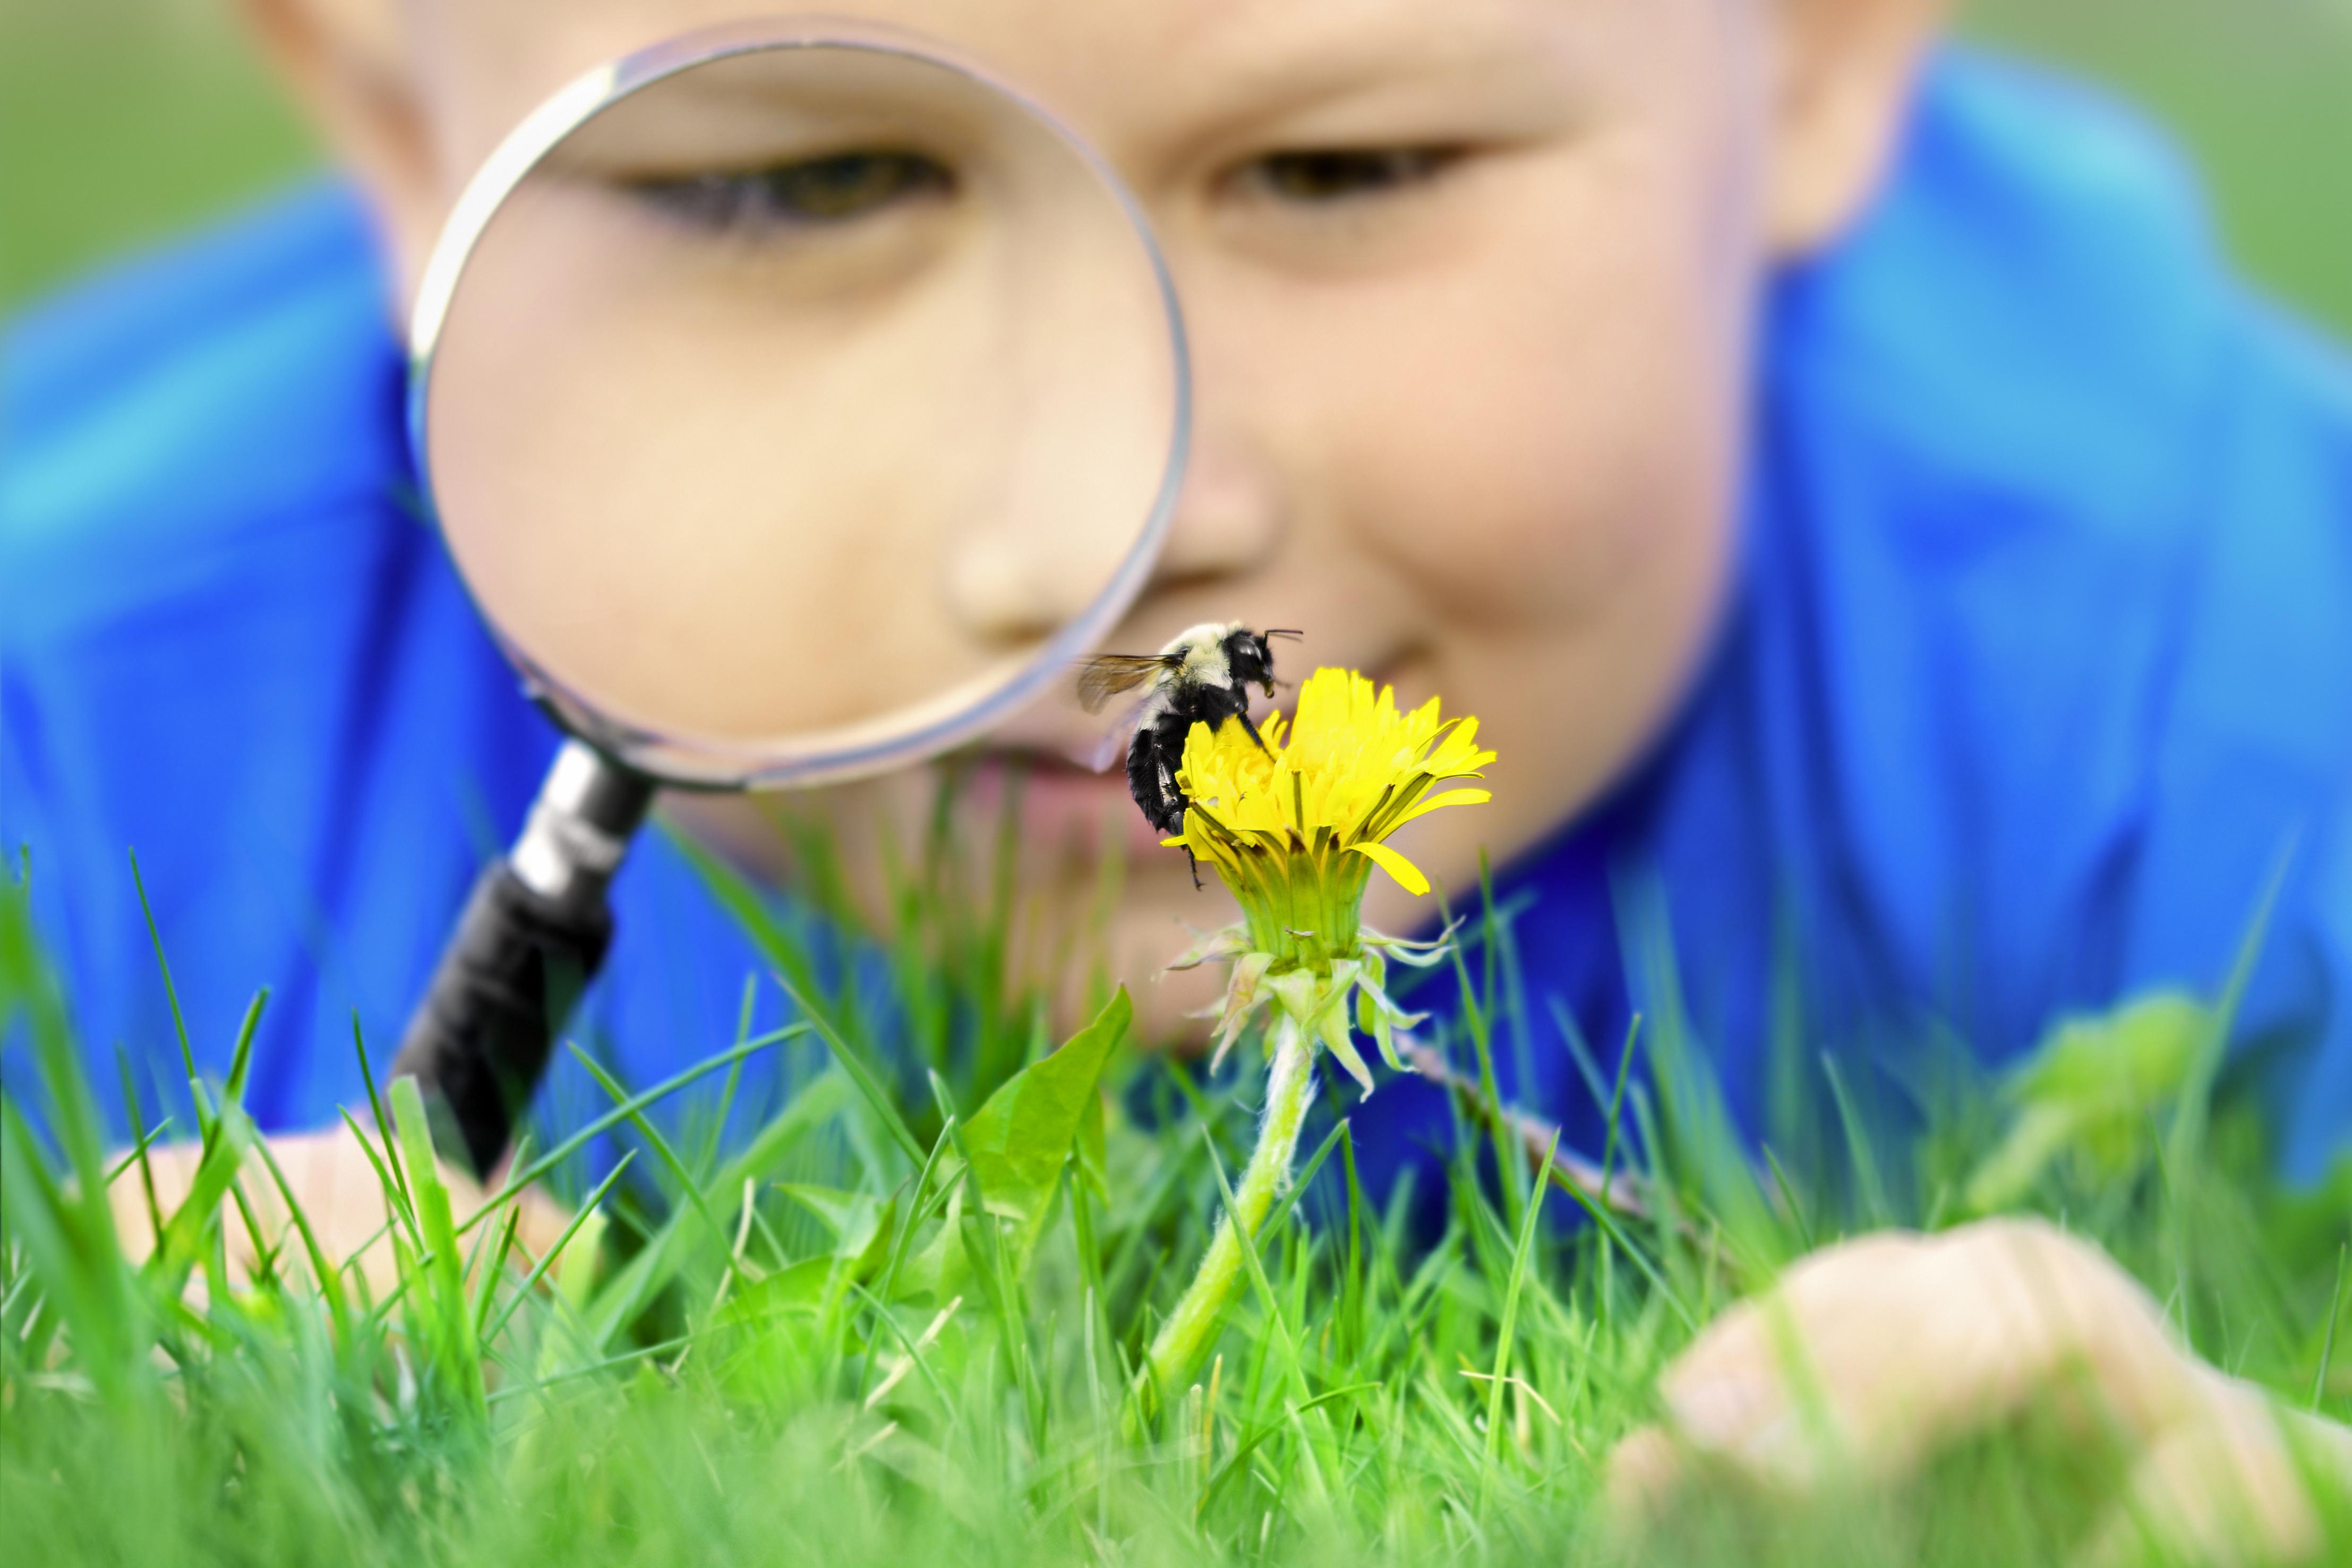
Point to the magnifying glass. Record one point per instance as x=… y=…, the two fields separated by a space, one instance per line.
x=796 y=401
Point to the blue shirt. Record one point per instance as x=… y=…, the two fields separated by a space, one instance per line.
x=2039 y=663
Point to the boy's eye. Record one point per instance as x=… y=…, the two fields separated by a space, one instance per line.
x=1344 y=173
x=838 y=188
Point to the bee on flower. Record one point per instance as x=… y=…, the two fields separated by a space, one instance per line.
x=1294 y=819
x=1294 y=828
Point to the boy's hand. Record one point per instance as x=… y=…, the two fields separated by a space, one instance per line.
x=341 y=1198
x=1871 y=1355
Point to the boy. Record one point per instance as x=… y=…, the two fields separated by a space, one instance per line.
x=1838 y=475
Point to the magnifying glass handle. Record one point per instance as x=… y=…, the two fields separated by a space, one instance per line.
x=532 y=937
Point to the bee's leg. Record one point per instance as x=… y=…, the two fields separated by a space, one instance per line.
x=1177 y=806
x=1171 y=816
x=1251 y=730
x=1192 y=862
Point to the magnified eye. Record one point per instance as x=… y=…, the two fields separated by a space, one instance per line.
x=1345 y=173
x=838 y=188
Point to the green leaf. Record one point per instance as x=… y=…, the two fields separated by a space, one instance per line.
x=1017 y=1143
x=1020 y=1138
x=937 y=1267
x=1093 y=1156
x=2090 y=1088
x=798 y=1288
x=2120 y=1060
x=643 y=1277
x=860 y=1222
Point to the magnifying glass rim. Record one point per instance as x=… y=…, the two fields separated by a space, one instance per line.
x=705 y=762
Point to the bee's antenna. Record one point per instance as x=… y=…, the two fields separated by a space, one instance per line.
x=1291 y=632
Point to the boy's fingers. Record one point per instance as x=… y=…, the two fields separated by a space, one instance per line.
x=2229 y=1486
x=1872 y=1353
x=341 y=1199
x=1646 y=1470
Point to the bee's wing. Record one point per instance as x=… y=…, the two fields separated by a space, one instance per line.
x=1118 y=732
x=1106 y=675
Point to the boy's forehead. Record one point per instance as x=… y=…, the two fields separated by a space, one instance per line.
x=1144 y=72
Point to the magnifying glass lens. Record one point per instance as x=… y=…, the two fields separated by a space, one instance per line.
x=795 y=406
x=801 y=409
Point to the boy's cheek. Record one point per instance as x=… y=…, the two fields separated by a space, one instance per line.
x=1550 y=422
x=1554 y=531
x=1535 y=500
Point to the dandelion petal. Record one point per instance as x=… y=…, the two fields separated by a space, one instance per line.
x=1408 y=875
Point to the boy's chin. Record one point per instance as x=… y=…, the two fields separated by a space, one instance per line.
x=1159 y=916
x=1079 y=920
x=1088 y=925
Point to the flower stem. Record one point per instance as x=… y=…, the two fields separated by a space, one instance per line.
x=1290 y=1084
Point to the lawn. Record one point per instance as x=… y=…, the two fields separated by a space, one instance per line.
x=903 y=1321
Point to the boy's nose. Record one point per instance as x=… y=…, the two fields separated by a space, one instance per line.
x=1014 y=584
x=1228 y=519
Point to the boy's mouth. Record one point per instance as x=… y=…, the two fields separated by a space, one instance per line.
x=1064 y=803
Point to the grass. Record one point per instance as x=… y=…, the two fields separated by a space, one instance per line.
x=901 y=1321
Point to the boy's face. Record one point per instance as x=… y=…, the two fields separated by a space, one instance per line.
x=1468 y=287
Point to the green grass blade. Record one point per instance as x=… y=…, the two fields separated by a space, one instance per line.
x=171 y=991
x=547 y=1259
x=2328 y=1343
x=458 y=1358
x=1499 y=1389
x=690 y=1189
x=626 y=1109
x=861 y=1072
x=1875 y=1209
x=328 y=1276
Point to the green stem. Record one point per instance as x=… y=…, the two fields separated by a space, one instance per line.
x=1290 y=1084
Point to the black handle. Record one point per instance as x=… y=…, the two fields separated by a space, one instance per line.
x=510 y=977
x=532 y=937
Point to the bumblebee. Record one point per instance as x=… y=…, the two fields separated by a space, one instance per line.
x=1202 y=676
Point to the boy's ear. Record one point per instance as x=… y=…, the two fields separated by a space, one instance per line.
x=1844 y=75
x=350 y=65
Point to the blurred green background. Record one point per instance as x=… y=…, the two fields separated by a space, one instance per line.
x=121 y=120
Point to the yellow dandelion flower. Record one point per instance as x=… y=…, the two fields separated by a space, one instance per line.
x=1294 y=829
x=1351 y=770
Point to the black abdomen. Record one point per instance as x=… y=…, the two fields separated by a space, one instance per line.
x=1152 y=759
x=1157 y=751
